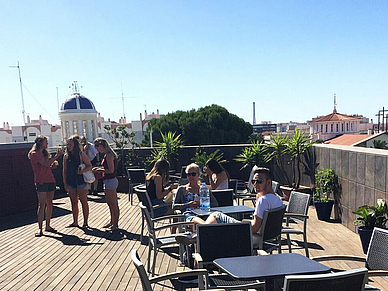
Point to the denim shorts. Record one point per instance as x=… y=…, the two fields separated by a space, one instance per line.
x=189 y=216
x=111 y=184
x=223 y=218
x=84 y=186
x=45 y=187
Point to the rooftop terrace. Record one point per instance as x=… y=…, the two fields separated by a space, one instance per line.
x=76 y=259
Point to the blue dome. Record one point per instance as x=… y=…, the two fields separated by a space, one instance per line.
x=77 y=101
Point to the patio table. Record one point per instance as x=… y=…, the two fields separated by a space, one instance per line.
x=269 y=267
x=236 y=211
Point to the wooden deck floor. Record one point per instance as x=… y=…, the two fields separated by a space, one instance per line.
x=76 y=259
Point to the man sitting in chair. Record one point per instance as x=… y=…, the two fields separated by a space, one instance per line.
x=262 y=183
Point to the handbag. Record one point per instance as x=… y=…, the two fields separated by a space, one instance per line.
x=88 y=176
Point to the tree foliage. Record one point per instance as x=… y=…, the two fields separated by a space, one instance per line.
x=207 y=125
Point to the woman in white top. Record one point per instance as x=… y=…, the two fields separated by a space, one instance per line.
x=218 y=176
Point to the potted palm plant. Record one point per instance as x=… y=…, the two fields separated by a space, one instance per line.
x=368 y=218
x=327 y=188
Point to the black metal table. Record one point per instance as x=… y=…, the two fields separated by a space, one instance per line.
x=236 y=211
x=269 y=267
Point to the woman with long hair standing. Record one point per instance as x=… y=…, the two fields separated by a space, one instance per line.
x=156 y=181
x=218 y=176
x=108 y=168
x=74 y=180
x=42 y=163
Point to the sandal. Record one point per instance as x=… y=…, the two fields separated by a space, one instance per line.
x=39 y=234
x=113 y=228
x=72 y=225
x=85 y=225
x=107 y=225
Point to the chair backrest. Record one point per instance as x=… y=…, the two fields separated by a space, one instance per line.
x=250 y=184
x=352 y=280
x=233 y=185
x=377 y=255
x=275 y=186
x=148 y=219
x=145 y=281
x=183 y=181
x=271 y=226
x=224 y=240
x=299 y=203
x=136 y=176
x=143 y=197
x=224 y=197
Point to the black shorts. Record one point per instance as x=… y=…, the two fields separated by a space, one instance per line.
x=45 y=187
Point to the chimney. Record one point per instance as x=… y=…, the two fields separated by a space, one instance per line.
x=28 y=119
x=145 y=114
x=141 y=118
x=254 y=113
x=157 y=113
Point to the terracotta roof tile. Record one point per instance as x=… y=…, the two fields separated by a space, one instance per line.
x=348 y=139
x=335 y=117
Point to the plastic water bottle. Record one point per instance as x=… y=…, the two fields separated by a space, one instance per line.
x=204 y=196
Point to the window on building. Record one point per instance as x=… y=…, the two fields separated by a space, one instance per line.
x=67 y=128
x=331 y=127
x=342 y=127
x=351 y=126
x=337 y=126
x=317 y=127
x=85 y=129
x=321 y=127
x=347 y=126
x=326 y=128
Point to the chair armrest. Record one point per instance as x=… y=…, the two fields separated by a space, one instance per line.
x=173 y=275
x=295 y=215
x=338 y=258
x=173 y=224
x=376 y=273
x=161 y=205
x=161 y=218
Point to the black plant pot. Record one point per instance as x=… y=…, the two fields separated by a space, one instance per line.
x=324 y=209
x=365 y=236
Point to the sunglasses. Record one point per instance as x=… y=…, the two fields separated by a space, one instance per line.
x=192 y=174
x=258 y=181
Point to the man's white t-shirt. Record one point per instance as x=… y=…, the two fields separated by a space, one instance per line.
x=265 y=202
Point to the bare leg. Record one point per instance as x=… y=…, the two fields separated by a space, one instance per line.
x=41 y=208
x=83 y=197
x=49 y=208
x=111 y=200
x=74 y=205
x=211 y=218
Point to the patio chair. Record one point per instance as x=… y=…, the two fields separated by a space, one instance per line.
x=352 y=280
x=224 y=240
x=298 y=207
x=156 y=241
x=269 y=236
x=135 y=177
x=147 y=281
x=376 y=260
x=143 y=197
x=223 y=197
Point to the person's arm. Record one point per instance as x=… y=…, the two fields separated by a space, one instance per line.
x=47 y=163
x=86 y=161
x=218 y=180
x=160 y=190
x=256 y=224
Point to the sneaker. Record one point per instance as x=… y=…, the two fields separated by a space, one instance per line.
x=186 y=239
x=188 y=279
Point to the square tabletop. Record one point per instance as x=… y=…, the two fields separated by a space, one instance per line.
x=271 y=266
x=235 y=209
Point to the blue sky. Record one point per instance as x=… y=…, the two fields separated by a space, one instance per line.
x=290 y=57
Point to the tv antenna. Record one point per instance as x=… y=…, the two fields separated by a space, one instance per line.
x=21 y=92
x=75 y=87
x=335 y=104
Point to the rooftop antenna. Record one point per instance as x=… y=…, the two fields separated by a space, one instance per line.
x=75 y=87
x=335 y=104
x=122 y=99
x=21 y=92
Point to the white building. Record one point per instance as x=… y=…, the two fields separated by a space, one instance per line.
x=335 y=124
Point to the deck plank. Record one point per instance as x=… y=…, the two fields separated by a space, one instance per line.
x=95 y=259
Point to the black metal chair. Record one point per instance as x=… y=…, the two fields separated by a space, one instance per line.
x=135 y=177
x=223 y=197
x=297 y=210
x=223 y=241
x=147 y=281
x=269 y=236
x=376 y=260
x=352 y=280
